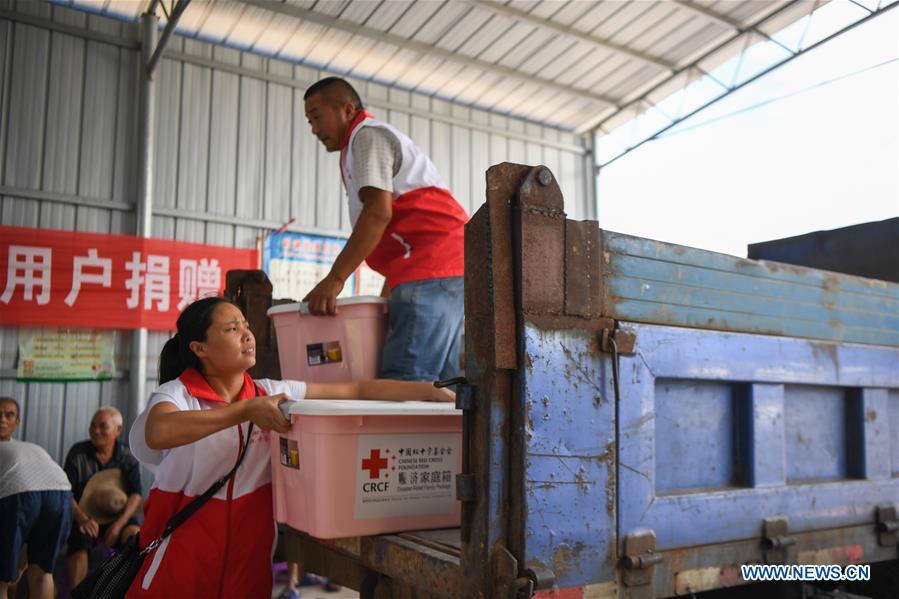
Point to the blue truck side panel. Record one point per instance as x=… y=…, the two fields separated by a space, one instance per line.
x=655 y=282
x=719 y=431
x=716 y=432
x=892 y=428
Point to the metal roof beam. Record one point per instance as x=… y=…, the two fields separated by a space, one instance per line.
x=644 y=98
x=708 y=15
x=175 y=16
x=595 y=124
x=381 y=104
x=421 y=47
x=90 y=34
x=714 y=17
x=520 y=15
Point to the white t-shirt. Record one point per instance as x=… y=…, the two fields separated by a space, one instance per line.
x=192 y=468
x=28 y=467
x=377 y=158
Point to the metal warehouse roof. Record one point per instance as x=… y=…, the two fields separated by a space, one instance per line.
x=576 y=65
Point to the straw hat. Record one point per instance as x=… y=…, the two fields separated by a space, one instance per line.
x=104 y=496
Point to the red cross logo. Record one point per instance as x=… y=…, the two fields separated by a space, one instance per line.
x=374 y=463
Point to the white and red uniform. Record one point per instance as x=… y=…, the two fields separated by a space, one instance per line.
x=425 y=237
x=225 y=548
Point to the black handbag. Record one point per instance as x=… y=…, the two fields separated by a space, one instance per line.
x=112 y=578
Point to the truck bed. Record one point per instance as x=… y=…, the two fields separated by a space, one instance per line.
x=643 y=418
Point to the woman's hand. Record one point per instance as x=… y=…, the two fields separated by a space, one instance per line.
x=264 y=412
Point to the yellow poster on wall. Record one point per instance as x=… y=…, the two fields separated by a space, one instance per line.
x=66 y=354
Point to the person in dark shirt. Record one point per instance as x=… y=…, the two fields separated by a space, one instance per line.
x=101 y=452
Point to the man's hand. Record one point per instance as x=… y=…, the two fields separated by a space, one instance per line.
x=112 y=535
x=323 y=298
x=89 y=526
x=376 y=213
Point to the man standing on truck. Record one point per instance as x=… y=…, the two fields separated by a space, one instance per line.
x=406 y=225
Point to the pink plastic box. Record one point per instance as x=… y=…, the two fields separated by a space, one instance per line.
x=331 y=349
x=349 y=468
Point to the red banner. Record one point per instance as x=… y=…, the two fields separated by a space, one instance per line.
x=64 y=278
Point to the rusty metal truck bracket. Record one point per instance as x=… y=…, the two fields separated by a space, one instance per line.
x=385 y=566
x=491 y=355
x=618 y=341
x=526 y=265
x=887 y=525
x=639 y=560
x=779 y=547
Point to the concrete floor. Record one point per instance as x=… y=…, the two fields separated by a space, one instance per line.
x=313 y=592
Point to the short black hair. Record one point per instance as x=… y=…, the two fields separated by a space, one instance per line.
x=336 y=91
x=13 y=402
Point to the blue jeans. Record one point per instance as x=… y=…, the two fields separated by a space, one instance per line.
x=425 y=332
x=40 y=519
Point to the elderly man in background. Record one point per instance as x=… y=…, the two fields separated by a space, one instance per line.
x=35 y=508
x=103 y=451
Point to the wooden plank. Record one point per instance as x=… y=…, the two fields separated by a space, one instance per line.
x=794 y=302
x=655 y=282
x=699 y=318
x=669 y=252
x=646 y=269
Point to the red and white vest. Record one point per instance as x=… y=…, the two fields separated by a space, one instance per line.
x=225 y=548
x=425 y=237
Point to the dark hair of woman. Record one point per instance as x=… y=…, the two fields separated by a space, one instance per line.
x=195 y=320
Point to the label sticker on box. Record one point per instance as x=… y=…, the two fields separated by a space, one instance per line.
x=406 y=475
x=323 y=353
x=290 y=453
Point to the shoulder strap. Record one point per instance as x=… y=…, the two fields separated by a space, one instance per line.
x=189 y=510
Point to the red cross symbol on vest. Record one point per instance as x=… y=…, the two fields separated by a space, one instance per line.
x=374 y=463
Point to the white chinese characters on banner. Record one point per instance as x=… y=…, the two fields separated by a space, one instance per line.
x=29 y=271
x=34 y=263
x=198 y=280
x=153 y=275
x=92 y=260
x=74 y=279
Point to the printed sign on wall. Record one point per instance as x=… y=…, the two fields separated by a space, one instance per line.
x=295 y=263
x=91 y=280
x=66 y=354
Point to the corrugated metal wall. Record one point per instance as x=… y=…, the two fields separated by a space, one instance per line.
x=234 y=158
x=67 y=161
